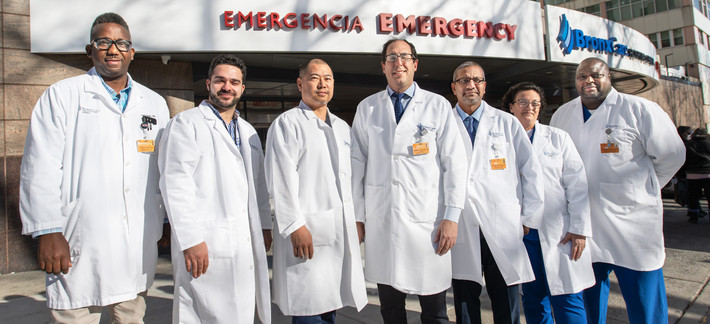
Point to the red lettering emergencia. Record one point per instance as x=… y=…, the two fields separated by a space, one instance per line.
x=244 y=18
x=333 y=20
x=470 y=29
x=305 y=22
x=261 y=19
x=357 y=24
x=317 y=21
x=423 y=25
x=385 y=22
x=290 y=20
x=410 y=23
x=228 y=19
x=275 y=21
x=456 y=27
x=439 y=26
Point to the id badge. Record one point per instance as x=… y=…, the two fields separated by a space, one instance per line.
x=498 y=164
x=420 y=148
x=609 y=148
x=146 y=146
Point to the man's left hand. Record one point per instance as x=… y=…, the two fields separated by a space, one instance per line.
x=578 y=244
x=446 y=236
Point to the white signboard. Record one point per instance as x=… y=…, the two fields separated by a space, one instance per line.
x=573 y=36
x=505 y=29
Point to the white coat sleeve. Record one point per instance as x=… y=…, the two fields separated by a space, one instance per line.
x=574 y=182
x=281 y=165
x=662 y=143
x=178 y=160
x=531 y=179
x=262 y=192
x=453 y=161
x=359 y=146
x=41 y=169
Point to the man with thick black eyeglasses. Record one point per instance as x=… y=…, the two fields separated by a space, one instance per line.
x=409 y=169
x=630 y=149
x=89 y=184
x=504 y=192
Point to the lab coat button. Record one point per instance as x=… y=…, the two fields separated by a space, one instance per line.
x=342 y=175
x=127 y=190
x=251 y=267
x=396 y=157
x=396 y=183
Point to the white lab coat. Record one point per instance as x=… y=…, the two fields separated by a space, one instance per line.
x=566 y=210
x=309 y=178
x=625 y=187
x=216 y=193
x=498 y=202
x=82 y=172
x=402 y=197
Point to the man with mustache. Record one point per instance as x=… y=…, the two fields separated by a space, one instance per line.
x=89 y=184
x=630 y=149
x=409 y=170
x=317 y=264
x=504 y=191
x=212 y=181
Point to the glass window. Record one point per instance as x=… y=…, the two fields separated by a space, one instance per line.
x=674 y=4
x=677 y=36
x=613 y=14
x=637 y=9
x=661 y=5
x=665 y=39
x=612 y=3
x=626 y=13
x=654 y=39
x=649 y=7
x=701 y=39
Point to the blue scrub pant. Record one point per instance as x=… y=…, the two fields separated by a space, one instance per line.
x=538 y=301
x=644 y=293
x=328 y=318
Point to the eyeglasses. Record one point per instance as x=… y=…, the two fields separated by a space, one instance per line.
x=465 y=81
x=522 y=103
x=595 y=76
x=404 y=57
x=105 y=43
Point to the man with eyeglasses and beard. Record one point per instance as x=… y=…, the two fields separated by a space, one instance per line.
x=89 y=184
x=630 y=149
x=408 y=169
x=504 y=200
x=213 y=183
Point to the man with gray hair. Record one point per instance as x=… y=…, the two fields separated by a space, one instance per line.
x=504 y=192
x=89 y=184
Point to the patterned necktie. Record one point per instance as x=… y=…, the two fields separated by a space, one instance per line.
x=398 y=109
x=471 y=126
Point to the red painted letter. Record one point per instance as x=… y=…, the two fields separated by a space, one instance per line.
x=385 y=20
x=470 y=30
x=241 y=18
x=499 y=31
x=456 y=27
x=423 y=25
x=510 y=30
x=228 y=19
x=317 y=21
x=485 y=29
x=333 y=20
x=275 y=20
x=289 y=20
x=357 y=25
x=439 y=26
x=305 y=23
x=410 y=23
x=261 y=19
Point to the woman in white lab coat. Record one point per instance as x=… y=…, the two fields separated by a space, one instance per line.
x=562 y=265
x=308 y=175
x=215 y=193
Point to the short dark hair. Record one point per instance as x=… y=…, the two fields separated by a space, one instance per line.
x=108 y=18
x=303 y=67
x=384 y=48
x=465 y=65
x=509 y=96
x=229 y=60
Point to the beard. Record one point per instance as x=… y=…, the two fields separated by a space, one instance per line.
x=219 y=103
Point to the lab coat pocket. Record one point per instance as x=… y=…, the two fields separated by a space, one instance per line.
x=424 y=205
x=220 y=240
x=72 y=227
x=376 y=202
x=616 y=198
x=322 y=227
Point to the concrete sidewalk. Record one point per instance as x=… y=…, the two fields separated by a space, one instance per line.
x=687 y=272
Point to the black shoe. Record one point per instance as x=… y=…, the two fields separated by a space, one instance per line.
x=693 y=220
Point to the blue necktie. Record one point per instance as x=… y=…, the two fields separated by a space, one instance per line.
x=471 y=126
x=398 y=109
x=585 y=113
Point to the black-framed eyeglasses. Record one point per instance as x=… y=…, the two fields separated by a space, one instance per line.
x=104 y=43
x=522 y=103
x=595 y=76
x=404 y=57
x=465 y=81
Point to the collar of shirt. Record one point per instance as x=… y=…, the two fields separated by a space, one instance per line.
x=235 y=117
x=476 y=114
x=531 y=134
x=120 y=98
x=405 y=99
x=310 y=114
x=232 y=127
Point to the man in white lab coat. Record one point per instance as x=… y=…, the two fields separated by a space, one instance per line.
x=317 y=264
x=409 y=168
x=504 y=193
x=212 y=181
x=630 y=149
x=89 y=184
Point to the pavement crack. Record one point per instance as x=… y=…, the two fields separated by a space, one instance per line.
x=692 y=301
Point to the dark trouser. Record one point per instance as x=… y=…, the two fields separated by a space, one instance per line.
x=695 y=190
x=505 y=300
x=325 y=318
x=393 y=311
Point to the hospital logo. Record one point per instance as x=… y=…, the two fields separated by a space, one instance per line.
x=575 y=39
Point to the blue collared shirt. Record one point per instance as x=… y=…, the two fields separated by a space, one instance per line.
x=232 y=127
x=120 y=98
x=409 y=93
x=476 y=114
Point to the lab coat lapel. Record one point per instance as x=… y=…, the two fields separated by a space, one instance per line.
x=464 y=134
x=218 y=127
x=541 y=138
x=94 y=91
